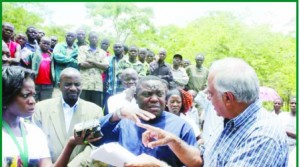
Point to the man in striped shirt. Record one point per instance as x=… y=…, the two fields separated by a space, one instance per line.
x=251 y=137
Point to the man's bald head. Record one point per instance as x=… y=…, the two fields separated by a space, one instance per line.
x=68 y=72
x=70 y=85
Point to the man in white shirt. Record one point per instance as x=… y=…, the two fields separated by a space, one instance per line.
x=288 y=119
x=129 y=78
x=277 y=104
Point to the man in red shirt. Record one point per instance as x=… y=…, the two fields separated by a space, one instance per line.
x=42 y=62
x=14 y=48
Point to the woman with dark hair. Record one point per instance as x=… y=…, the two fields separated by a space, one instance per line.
x=24 y=144
x=179 y=102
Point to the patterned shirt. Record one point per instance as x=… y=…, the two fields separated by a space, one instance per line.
x=147 y=68
x=91 y=78
x=114 y=85
x=253 y=138
x=138 y=66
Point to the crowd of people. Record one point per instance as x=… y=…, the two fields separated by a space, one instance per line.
x=176 y=114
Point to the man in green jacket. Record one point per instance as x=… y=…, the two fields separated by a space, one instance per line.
x=65 y=55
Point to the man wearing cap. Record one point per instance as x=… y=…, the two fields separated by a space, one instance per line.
x=180 y=76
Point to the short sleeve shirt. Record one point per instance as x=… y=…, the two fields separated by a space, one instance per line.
x=36 y=141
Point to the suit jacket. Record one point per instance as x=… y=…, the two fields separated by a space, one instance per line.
x=49 y=116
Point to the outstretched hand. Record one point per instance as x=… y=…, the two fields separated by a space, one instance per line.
x=134 y=113
x=154 y=137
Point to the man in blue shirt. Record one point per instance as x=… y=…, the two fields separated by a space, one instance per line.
x=251 y=137
x=150 y=97
x=32 y=34
x=112 y=83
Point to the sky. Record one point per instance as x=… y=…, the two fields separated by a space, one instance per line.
x=280 y=15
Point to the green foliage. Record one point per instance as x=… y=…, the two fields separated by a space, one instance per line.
x=219 y=35
x=19 y=17
x=126 y=18
x=57 y=31
x=268 y=105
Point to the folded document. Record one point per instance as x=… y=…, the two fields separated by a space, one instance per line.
x=113 y=154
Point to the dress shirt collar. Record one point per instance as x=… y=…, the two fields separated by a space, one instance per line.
x=66 y=105
x=245 y=116
x=68 y=113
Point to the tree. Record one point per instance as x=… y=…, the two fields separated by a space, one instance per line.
x=19 y=17
x=126 y=18
x=221 y=34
